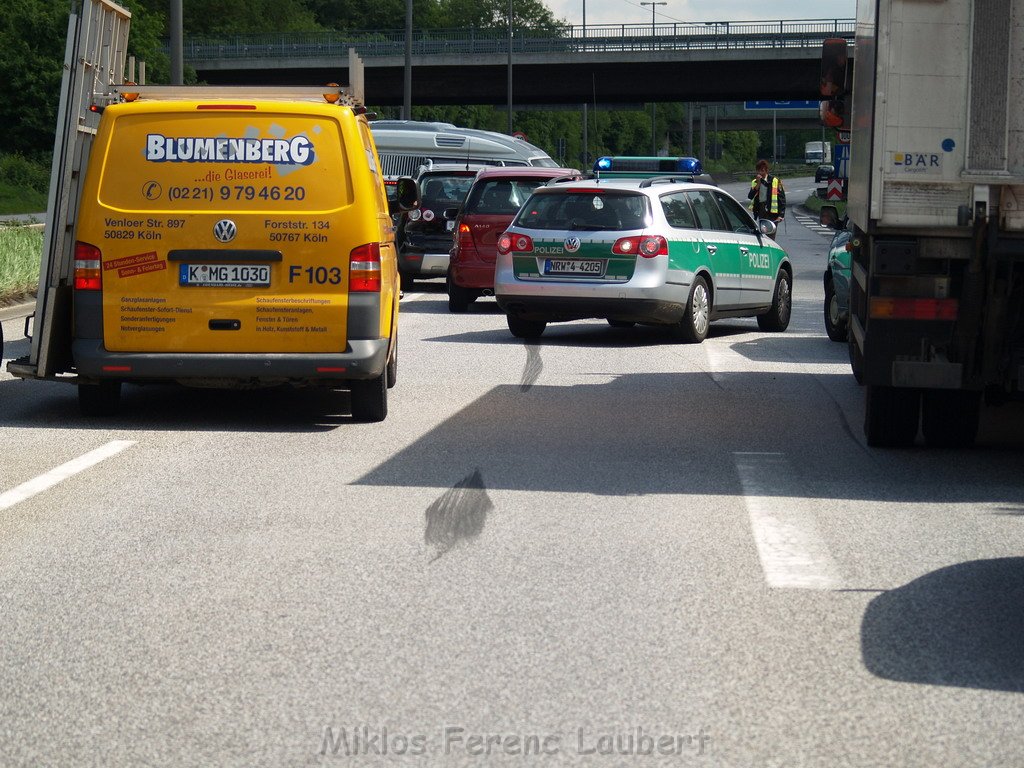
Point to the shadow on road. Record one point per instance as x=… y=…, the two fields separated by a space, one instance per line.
x=959 y=626
x=48 y=404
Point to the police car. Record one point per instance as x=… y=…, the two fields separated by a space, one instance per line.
x=667 y=251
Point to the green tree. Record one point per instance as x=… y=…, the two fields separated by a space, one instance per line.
x=238 y=17
x=353 y=15
x=32 y=34
x=493 y=14
x=146 y=38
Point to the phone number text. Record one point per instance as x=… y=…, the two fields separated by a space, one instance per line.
x=237 y=192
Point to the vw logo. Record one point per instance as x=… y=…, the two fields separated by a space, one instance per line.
x=225 y=230
x=572 y=244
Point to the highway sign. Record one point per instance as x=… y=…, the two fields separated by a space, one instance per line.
x=834 y=190
x=780 y=105
x=841 y=160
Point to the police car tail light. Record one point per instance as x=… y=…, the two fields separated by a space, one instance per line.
x=647 y=246
x=364 y=268
x=520 y=243
x=88 y=276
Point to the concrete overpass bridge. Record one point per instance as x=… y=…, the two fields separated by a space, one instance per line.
x=610 y=64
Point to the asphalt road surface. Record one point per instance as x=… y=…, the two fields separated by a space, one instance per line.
x=601 y=549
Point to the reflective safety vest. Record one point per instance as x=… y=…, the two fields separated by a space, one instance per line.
x=773 y=200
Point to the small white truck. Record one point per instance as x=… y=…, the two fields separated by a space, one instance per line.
x=817 y=152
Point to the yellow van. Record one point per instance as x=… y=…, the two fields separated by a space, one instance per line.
x=235 y=242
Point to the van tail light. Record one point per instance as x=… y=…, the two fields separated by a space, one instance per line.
x=88 y=276
x=364 y=268
x=647 y=246
x=513 y=242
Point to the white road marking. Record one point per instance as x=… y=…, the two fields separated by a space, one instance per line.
x=793 y=554
x=46 y=481
x=814 y=225
x=725 y=357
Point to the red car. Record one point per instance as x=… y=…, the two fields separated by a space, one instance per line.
x=493 y=201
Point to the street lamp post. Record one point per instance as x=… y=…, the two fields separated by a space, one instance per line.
x=654 y=106
x=509 y=67
x=177 y=45
x=407 y=73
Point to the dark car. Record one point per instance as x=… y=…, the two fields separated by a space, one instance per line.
x=492 y=203
x=823 y=172
x=837 y=280
x=425 y=237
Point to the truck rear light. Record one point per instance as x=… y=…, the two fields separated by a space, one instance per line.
x=647 y=246
x=512 y=242
x=364 y=268
x=884 y=308
x=88 y=275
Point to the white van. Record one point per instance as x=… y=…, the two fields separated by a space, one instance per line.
x=405 y=145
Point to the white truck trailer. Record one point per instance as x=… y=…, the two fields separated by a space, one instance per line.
x=936 y=198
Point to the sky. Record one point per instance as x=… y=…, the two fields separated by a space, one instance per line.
x=632 y=12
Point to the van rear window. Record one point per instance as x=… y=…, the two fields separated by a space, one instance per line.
x=251 y=161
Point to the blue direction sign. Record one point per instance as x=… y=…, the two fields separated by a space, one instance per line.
x=780 y=105
x=841 y=161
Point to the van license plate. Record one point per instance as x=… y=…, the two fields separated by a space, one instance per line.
x=224 y=275
x=574 y=267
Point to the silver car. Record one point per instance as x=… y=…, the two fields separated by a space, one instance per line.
x=662 y=251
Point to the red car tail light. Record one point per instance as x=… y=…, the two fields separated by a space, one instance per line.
x=466 y=246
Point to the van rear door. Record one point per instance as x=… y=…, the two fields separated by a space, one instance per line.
x=224 y=227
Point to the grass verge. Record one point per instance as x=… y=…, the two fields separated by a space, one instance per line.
x=814 y=204
x=20 y=252
x=15 y=200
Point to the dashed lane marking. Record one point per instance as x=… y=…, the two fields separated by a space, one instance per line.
x=46 y=481
x=813 y=224
x=793 y=554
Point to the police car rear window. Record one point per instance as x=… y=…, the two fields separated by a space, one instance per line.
x=585 y=210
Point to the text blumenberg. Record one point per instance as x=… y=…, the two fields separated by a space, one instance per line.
x=198 y=149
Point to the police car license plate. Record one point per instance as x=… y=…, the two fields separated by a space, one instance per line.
x=224 y=275
x=588 y=267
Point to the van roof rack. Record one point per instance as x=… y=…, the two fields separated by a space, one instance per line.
x=345 y=96
x=352 y=95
